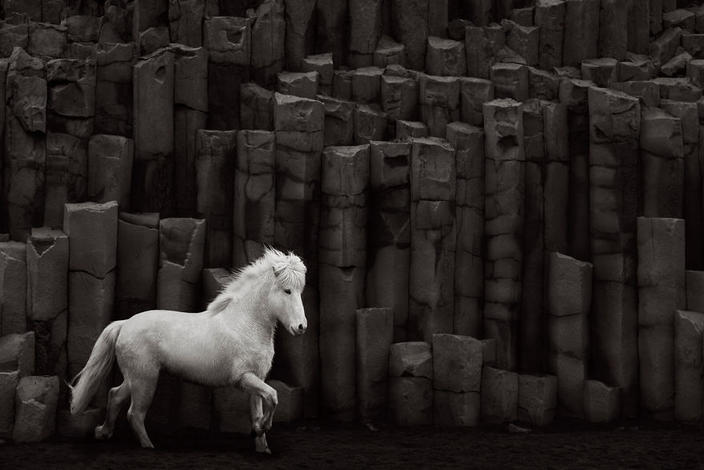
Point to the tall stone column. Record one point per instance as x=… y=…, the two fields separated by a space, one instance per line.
x=550 y=18
x=614 y=122
x=389 y=226
x=25 y=143
x=503 y=226
x=689 y=380
x=332 y=29
x=375 y=331
x=433 y=230
x=13 y=287
x=153 y=92
x=468 y=142
x=186 y=22
x=457 y=380
x=342 y=256
x=268 y=41
x=110 y=159
x=410 y=28
x=300 y=32
x=439 y=103
x=365 y=17
x=661 y=292
x=215 y=166
x=113 y=89
x=255 y=198
x=299 y=124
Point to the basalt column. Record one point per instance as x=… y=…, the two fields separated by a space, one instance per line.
x=503 y=226
x=113 y=89
x=614 y=122
x=300 y=31
x=389 y=225
x=432 y=267
x=215 y=167
x=661 y=292
x=13 y=287
x=410 y=28
x=153 y=82
x=25 y=143
x=255 y=199
x=469 y=212
x=299 y=124
x=268 y=41
x=342 y=258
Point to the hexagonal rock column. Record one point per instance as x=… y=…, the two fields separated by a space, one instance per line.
x=399 y=96
x=185 y=21
x=71 y=95
x=478 y=11
x=389 y=231
x=339 y=121
x=342 y=259
x=370 y=124
x=257 y=107
x=503 y=225
x=299 y=126
x=190 y=114
x=411 y=384
x=300 y=32
x=474 y=92
x=254 y=201
x=13 y=287
x=323 y=64
x=445 y=57
x=215 y=164
x=375 y=332
x=92 y=232
x=331 y=29
x=550 y=18
x=639 y=27
x=613 y=29
x=439 y=103
x=113 y=89
x=365 y=17
x=432 y=267
x=602 y=403
x=556 y=176
x=614 y=121
x=511 y=81
x=181 y=246
x=457 y=377
x=662 y=160
x=693 y=208
x=137 y=261
x=17 y=353
x=153 y=91
x=574 y=95
x=66 y=175
x=290 y=407
x=661 y=291
x=35 y=416
x=569 y=298
x=482 y=44
x=47 y=299
x=689 y=382
x=468 y=142
x=268 y=41
x=229 y=43
x=25 y=143
x=537 y=399
x=8 y=385
x=695 y=290
x=303 y=84
x=110 y=169
x=410 y=27
x=499 y=396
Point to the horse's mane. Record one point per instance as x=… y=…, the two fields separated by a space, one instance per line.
x=287 y=269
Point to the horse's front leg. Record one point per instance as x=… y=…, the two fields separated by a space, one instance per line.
x=263 y=400
x=258 y=423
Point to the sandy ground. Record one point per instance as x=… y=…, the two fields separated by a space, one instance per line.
x=321 y=445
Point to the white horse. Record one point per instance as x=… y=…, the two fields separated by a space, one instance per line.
x=231 y=343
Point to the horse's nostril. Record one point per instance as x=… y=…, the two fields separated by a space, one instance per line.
x=300 y=327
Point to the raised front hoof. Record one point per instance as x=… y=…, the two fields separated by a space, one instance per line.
x=261 y=445
x=263 y=450
x=101 y=433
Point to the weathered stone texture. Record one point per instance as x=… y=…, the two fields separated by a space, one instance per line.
x=137 y=261
x=36 y=400
x=689 y=384
x=375 y=332
x=13 y=287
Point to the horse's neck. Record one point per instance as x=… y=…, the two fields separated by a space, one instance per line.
x=249 y=315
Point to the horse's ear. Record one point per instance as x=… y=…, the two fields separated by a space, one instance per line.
x=276 y=272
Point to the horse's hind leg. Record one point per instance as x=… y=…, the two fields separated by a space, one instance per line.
x=116 y=397
x=142 y=389
x=258 y=423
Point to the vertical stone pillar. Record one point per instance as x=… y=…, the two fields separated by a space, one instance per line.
x=92 y=234
x=332 y=28
x=468 y=142
x=215 y=166
x=47 y=298
x=339 y=121
x=499 y=397
x=181 y=247
x=268 y=41
x=569 y=298
x=137 y=261
x=375 y=332
x=661 y=292
x=503 y=226
x=614 y=122
x=639 y=27
x=190 y=114
x=662 y=163
x=300 y=32
x=574 y=95
x=113 y=89
x=299 y=125
x=4 y=65
x=432 y=267
x=439 y=102
x=474 y=92
x=550 y=18
x=689 y=381
x=556 y=177
x=613 y=29
x=110 y=169
x=410 y=28
x=255 y=199
x=25 y=143
x=66 y=175
x=389 y=226
x=153 y=92
x=13 y=287
x=365 y=17
x=342 y=264
x=457 y=380
x=445 y=57
x=229 y=43
x=257 y=108
x=186 y=22
x=411 y=383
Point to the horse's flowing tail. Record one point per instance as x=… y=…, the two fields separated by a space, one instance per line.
x=99 y=364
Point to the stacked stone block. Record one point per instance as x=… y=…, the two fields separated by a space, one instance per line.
x=375 y=332
x=13 y=287
x=689 y=384
x=411 y=384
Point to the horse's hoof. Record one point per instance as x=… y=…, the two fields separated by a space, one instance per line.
x=265 y=450
x=101 y=434
x=148 y=446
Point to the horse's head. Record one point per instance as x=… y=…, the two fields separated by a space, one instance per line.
x=285 y=296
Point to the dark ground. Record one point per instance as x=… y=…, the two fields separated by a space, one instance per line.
x=564 y=445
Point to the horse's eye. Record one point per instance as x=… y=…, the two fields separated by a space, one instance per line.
x=288 y=291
